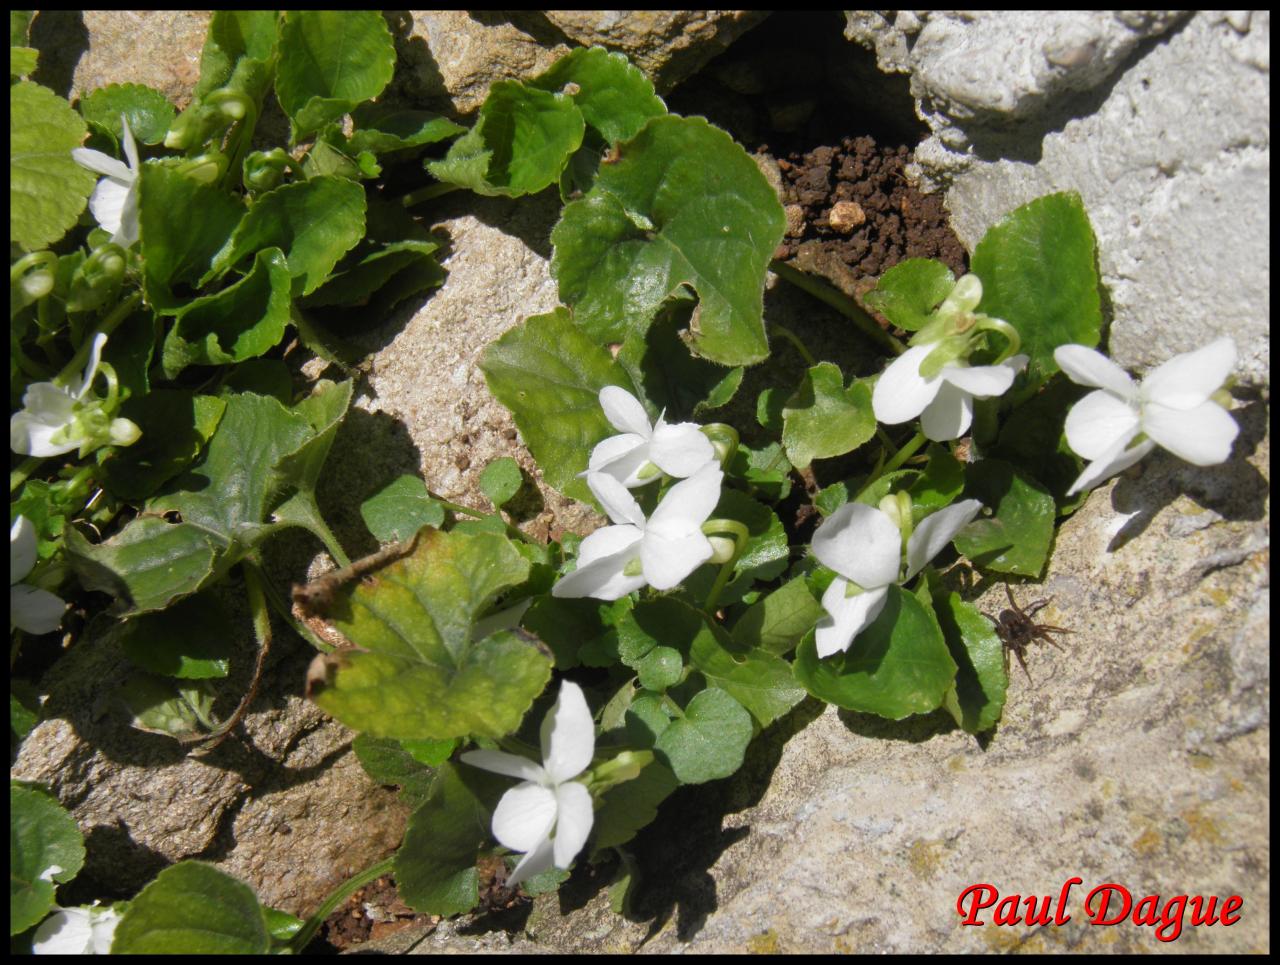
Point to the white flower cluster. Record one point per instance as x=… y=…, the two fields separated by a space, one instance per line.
x=663 y=549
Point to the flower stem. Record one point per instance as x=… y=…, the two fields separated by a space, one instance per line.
x=840 y=302
x=740 y=535
x=340 y=894
x=902 y=455
x=439 y=189
x=109 y=325
x=795 y=340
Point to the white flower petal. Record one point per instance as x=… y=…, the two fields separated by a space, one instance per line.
x=568 y=735
x=1186 y=381
x=687 y=504
x=22 y=548
x=46 y=411
x=601 y=560
x=621 y=457
x=616 y=500
x=1084 y=366
x=1115 y=460
x=624 y=411
x=67 y=931
x=103 y=921
x=1202 y=436
x=667 y=560
x=130 y=227
x=500 y=762
x=900 y=393
x=936 y=531
x=846 y=616
x=983 y=381
x=102 y=164
x=534 y=863
x=949 y=415
x=860 y=543
x=107 y=203
x=680 y=450
x=1098 y=423
x=81 y=388
x=573 y=822
x=130 y=146
x=35 y=610
x=525 y=816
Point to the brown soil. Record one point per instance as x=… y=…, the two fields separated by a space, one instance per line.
x=371 y=913
x=852 y=202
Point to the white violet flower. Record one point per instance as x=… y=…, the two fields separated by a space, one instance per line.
x=864 y=546
x=1173 y=407
x=678 y=450
x=87 y=930
x=30 y=608
x=114 y=201
x=549 y=815
x=658 y=552
x=55 y=419
x=943 y=399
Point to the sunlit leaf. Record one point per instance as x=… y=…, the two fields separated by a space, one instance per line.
x=41 y=835
x=192 y=908
x=47 y=188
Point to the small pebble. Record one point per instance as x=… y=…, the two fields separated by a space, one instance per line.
x=845 y=216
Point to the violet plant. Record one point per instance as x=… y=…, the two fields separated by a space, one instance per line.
x=671 y=636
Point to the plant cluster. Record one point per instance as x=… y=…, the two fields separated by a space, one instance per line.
x=163 y=443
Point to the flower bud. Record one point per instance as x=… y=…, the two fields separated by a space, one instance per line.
x=205 y=168
x=264 y=170
x=724 y=440
x=123 y=432
x=722 y=549
x=37 y=284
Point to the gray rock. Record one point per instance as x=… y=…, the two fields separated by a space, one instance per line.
x=1161 y=123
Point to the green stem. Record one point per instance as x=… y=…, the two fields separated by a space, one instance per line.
x=740 y=535
x=840 y=302
x=902 y=455
x=481 y=514
x=18 y=476
x=437 y=190
x=109 y=325
x=340 y=894
x=794 y=339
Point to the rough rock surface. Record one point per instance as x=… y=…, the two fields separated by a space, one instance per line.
x=1160 y=121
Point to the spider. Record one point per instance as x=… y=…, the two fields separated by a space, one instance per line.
x=1017 y=630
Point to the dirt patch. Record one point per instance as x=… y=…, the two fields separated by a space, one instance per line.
x=371 y=913
x=852 y=202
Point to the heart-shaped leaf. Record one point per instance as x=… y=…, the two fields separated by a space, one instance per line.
x=549 y=374
x=148 y=111
x=825 y=419
x=908 y=293
x=1017 y=537
x=417 y=673
x=400 y=509
x=47 y=188
x=683 y=206
x=614 y=96
x=192 y=908
x=42 y=837
x=1039 y=273
x=708 y=740
x=897 y=666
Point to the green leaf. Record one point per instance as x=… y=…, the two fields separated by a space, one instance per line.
x=331 y=61
x=1025 y=434
x=501 y=480
x=897 y=666
x=908 y=293
x=654 y=640
x=183 y=223
x=387 y=762
x=520 y=143
x=190 y=640
x=192 y=908
x=175 y=424
x=683 y=206
x=400 y=509
x=938 y=485
x=825 y=419
x=240 y=322
x=41 y=834
x=627 y=808
x=47 y=188
x=615 y=97
x=1017 y=538
x=435 y=868
x=669 y=378
x=236 y=35
x=148 y=564
x=314 y=222
x=761 y=681
x=380 y=129
x=173 y=708
x=569 y=626
x=976 y=699
x=766 y=470
x=20 y=27
x=22 y=61
x=417 y=673
x=1039 y=273
x=779 y=622
x=549 y=374
x=149 y=111
x=708 y=741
